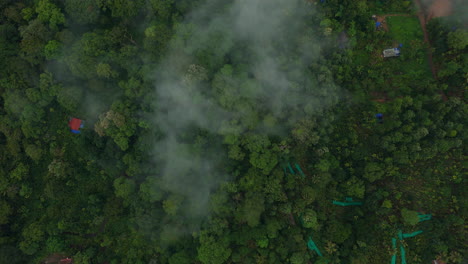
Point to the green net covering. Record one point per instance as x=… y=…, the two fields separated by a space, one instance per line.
x=394 y=250
x=348 y=202
x=290 y=168
x=403 y=254
x=424 y=217
x=401 y=236
x=412 y=234
x=311 y=245
x=299 y=169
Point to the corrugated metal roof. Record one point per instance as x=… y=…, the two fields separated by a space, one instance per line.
x=391 y=52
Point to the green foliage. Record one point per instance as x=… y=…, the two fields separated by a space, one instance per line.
x=172 y=204
x=34 y=37
x=5 y=211
x=262 y=243
x=82 y=257
x=298 y=258
x=124 y=187
x=261 y=156
x=404 y=29
x=355 y=188
x=387 y=204
x=163 y=9
x=252 y=208
x=54 y=244
x=338 y=232
x=12 y=255
x=157 y=38
x=212 y=251
x=52 y=49
x=305 y=134
x=105 y=70
x=83 y=12
x=150 y=190
x=69 y=97
x=308 y=194
x=25 y=192
x=32 y=237
x=309 y=219
x=50 y=13
x=409 y=217
x=27 y=13
x=373 y=171
x=121 y=8
x=191 y=110
x=20 y=172
x=458 y=39
x=180 y=258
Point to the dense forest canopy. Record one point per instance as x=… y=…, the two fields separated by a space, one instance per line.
x=242 y=131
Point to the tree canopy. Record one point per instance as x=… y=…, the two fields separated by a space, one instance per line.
x=225 y=131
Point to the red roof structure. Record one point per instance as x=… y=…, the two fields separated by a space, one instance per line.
x=74 y=123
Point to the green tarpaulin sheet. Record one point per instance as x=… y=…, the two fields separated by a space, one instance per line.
x=299 y=169
x=349 y=201
x=424 y=217
x=312 y=246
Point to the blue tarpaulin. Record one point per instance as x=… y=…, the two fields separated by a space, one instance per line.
x=379 y=117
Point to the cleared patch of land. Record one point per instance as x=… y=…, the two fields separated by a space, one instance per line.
x=439 y=8
x=407 y=30
x=404 y=29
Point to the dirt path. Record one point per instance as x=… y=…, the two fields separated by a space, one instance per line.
x=437 y=8
x=405 y=15
x=422 y=20
x=381 y=19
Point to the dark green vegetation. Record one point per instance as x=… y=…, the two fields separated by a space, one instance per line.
x=193 y=108
x=405 y=29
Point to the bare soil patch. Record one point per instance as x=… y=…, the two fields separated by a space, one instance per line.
x=55 y=259
x=380 y=97
x=439 y=8
x=381 y=19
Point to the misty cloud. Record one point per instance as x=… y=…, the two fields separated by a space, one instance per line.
x=259 y=39
x=453 y=10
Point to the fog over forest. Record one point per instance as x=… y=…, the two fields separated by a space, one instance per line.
x=273 y=82
x=243 y=131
